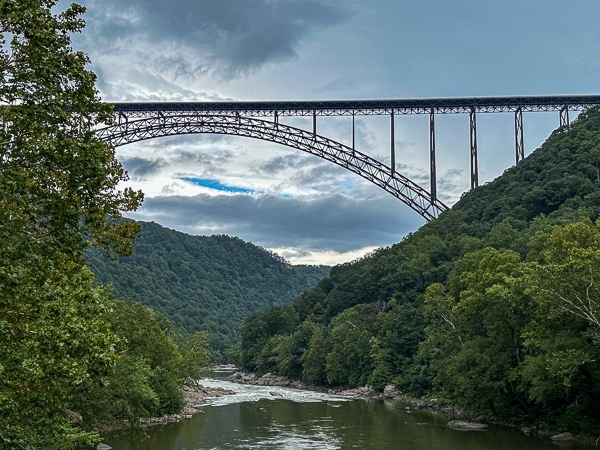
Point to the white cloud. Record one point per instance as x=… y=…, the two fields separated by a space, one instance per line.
x=318 y=257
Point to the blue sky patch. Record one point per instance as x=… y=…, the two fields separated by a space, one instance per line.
x=217 y=185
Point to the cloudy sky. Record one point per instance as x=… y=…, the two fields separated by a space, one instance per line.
x=306 y=209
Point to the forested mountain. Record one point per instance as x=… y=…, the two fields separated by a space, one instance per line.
x=201 y=282
x=493 y=307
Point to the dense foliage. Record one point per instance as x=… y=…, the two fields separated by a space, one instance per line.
x=493 y=307
x=203 y=283
x=152 y=365
x=72 y=359
x=58 y=194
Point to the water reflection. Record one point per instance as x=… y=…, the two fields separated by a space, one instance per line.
x=304 y=421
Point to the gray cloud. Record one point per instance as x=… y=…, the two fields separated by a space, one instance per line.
x=234 y=37
x=321 y=174
x=332 y=222
x=414 y=173
x=218 y=158
x=200 y=139
x=281 y=163
x=451 y=185
x=141 y=167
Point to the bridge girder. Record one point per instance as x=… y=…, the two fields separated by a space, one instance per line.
x=159 y=125
x=366 y=107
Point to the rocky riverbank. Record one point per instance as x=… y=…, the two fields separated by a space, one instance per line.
x=195 y=397
x=391 y=394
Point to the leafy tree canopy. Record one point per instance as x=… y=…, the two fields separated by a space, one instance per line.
x=58 y=194
x=203 y=283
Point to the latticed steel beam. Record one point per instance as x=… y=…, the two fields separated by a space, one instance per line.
x=473 y=141
x=564 y=116
x=372 y=170
x=366 y=107
x=519 y=141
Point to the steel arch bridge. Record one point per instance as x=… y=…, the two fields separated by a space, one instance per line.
x=141 y=121
x=376 y=172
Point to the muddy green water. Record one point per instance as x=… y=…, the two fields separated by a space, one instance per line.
x=291 y=420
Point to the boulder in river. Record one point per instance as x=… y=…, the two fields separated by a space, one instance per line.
x=466 y=425
x=389 y=391
x=563 y=437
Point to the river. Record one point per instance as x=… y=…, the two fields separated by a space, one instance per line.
x=254 y=418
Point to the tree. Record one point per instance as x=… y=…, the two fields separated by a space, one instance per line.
x=567 y=274
x=58 y=194
x=57 y=179
x=258 y=329
x=399 y=331
x=560 y=371
x=196 y=356
x=314 y=358
x=474 y=341
x=54 y=337
x=349 y=361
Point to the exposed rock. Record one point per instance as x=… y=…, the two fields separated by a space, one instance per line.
x=466 y=425
x=389 y=391
x=195 y=396
x=563 y=437
x=275 y=394
x=102 y=446
x=526 y=430
x=224 y=368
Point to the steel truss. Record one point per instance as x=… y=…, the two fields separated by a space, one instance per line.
x=139 y=121
x=365 y=107
x=519 y=140
x=159 y=125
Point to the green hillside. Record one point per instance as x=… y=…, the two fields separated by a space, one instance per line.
x=203 y=283
x=494 y=307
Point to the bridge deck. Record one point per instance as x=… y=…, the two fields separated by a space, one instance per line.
x=367 y=107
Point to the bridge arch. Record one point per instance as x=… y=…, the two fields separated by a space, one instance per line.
x=391 y=181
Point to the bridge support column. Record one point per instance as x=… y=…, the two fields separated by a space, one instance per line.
x=353 y=134
x=276 y=119
x=315 y=123
x=564 y=116
x=519 y=143
x=473 y=140
x=393 y=144
x=432 y=169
